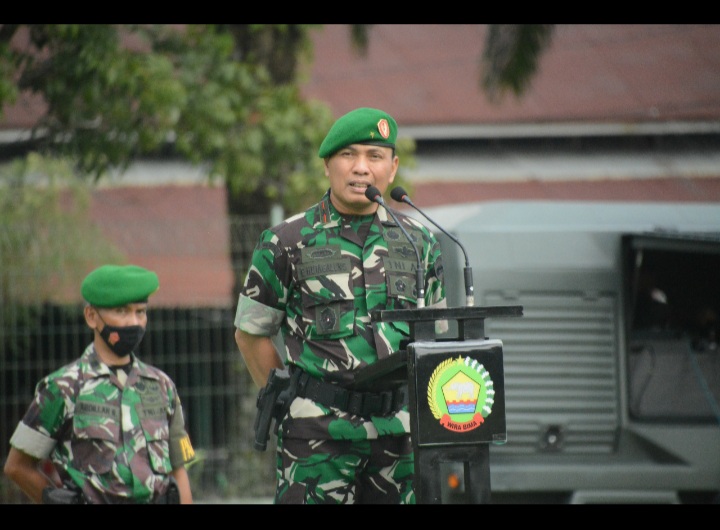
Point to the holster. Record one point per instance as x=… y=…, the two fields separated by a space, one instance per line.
x=273 y=402
x=171 y=495
x=68 y=494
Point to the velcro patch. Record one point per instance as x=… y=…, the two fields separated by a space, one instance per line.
x=399 y=265
x=89 y=408
x=324 y=268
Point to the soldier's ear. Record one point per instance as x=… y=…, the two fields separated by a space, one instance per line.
x=90 y=314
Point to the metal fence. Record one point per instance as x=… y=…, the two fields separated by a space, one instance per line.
x=194 y=345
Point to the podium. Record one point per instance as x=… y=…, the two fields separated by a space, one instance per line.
x=456 y=394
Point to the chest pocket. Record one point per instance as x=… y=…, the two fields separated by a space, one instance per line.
x=96 y=434
x=400 y=268
x=153 y=415
x=325 y=281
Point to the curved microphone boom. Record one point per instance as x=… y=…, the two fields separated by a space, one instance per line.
x=374 y=195
x=400 y=195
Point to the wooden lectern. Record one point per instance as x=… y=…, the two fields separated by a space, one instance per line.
x=456 y=393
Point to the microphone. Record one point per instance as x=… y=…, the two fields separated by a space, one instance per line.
x=374 y=195
x=400 y=195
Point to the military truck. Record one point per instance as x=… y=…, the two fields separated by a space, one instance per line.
x=607 y=399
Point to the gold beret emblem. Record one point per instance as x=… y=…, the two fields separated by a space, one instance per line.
x=384 y=128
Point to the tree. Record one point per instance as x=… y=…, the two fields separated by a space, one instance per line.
x=225 y=96
x=116 y=93
x=222 y=96
x=47 y=241
x=510 y=57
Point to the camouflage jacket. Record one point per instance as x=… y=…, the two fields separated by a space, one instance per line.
x=316 y=277
x=117 y=442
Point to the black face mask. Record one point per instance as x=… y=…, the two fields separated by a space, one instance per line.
x=122 y=340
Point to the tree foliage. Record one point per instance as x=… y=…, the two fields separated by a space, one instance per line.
x=510 y=57
x=47 y=240
x=222 y=96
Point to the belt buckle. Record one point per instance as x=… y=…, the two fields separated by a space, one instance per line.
x=372 y=404
x=387 y=402
x=355 y=404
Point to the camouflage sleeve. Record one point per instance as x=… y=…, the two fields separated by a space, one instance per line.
x=256 y=318
x=46 y=414
x=32 y=442
x=262 y=301
x=181 y=450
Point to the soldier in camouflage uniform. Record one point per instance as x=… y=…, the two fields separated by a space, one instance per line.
x=111 y=425
x=316 y=277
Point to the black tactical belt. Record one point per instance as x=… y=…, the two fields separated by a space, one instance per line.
x=359 y=403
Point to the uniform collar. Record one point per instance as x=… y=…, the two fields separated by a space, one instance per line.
x=94 y=367
x=327 y=215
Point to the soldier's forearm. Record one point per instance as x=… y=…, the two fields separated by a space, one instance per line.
x=259 y=354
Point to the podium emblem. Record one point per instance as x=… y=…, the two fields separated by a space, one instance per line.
x=460 y=394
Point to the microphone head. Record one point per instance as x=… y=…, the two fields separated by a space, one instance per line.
x=399 y=194
x=373 y=194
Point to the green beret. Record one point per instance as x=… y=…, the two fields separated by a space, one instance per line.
x=118 y=285
x=360 y=126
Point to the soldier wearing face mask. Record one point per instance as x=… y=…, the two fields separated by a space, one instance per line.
x=111 y=426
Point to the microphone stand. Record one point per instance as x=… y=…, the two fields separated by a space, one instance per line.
x=374 y=195
x=400 y=195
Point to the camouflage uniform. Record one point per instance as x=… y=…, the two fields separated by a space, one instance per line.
x=117 y=442
x=317 y=276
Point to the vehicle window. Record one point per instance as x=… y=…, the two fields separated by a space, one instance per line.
x=673 y=294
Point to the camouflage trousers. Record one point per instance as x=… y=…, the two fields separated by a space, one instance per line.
x=345 y=472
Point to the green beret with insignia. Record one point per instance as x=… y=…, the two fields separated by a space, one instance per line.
x=360 y=126
x=118 y=285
